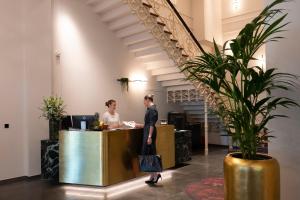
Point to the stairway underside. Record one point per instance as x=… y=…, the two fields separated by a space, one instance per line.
x=145 y=35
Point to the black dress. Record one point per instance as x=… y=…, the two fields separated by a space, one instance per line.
x=151 y=118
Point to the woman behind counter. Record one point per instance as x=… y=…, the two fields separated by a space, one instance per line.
x=149 y=134
x=111 y=117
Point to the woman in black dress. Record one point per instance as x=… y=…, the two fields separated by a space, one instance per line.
x=149 y=135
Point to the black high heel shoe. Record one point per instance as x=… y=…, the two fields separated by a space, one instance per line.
x=157 y=178
x=150 y=181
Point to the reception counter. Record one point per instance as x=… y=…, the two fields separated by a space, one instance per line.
x=103 y=158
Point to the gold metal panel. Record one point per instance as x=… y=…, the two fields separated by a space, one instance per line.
x=104 y=163
x=251 y=179
x=124 y=146
x=108 y=157
x=166 y=145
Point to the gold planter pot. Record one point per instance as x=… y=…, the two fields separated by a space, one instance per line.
x=251 y=179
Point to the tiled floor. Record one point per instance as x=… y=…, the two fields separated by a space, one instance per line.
x=172 y=188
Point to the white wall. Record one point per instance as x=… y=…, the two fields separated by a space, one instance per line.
x=192 y=11
x=25 y=76
x=284 y=55
x=198 y=18
x=37 y=75
x=11 y=87
x=185 y=9
x=236 y=14
x=213 y=20
x=204 y=17
x=92 y=58
x=230 y=9
x=86 y=76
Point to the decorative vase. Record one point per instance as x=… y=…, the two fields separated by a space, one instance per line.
x=53 y=129
x=251 y=179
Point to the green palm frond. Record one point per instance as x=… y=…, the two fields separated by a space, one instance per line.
x=245 y=90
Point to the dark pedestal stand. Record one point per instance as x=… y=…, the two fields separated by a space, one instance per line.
x=183 y=146
x=49 y=160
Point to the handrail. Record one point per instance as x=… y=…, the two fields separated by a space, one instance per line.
x=185 y=25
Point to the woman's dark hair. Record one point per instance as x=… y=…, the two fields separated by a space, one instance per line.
x=109 y=102
x=149 y=97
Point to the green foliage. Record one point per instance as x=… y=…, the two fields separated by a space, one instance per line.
x=53 y=108
x=246 y=101
x=124 y=83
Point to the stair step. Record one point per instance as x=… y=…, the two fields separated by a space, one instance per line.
x=184 y=87
x=174 y=83
x=168 y=77
x=152 y=58
x=130 y=30
x=123 y=22
x=137 y=38
x=143 y=45
x=154 y=14
x=166 y=70
x=118 y=12
x=147 y=5
x=106 y=5
x=168 y=32
x=161 y=23
x=150 y=51
x=159 y=64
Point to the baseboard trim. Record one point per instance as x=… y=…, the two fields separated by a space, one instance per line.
x=18 y=179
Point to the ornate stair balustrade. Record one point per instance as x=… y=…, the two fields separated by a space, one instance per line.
x=164 y=23
x=150 y=20
x=180 y=31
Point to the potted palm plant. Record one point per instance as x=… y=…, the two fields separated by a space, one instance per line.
x=244 y=99
x=53 y=109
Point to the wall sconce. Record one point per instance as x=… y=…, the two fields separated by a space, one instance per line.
x=137 y=80
x=125 y=82
x=236 y=4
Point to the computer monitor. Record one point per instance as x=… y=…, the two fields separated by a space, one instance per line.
x=77 y=119
x=66 y=122
x=177 y=119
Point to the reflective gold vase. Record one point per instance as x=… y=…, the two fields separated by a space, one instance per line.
x=251 y=179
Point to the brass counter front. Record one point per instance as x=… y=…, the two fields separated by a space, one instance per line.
x=108 y=157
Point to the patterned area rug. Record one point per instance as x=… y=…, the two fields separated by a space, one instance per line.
x=206 y=189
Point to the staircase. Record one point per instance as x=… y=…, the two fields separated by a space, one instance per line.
x=162 y=43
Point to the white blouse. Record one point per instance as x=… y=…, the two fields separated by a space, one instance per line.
x=110 y=119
